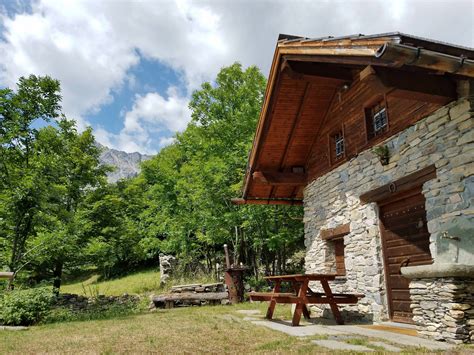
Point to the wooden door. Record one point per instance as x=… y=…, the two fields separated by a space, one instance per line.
x=405 y=241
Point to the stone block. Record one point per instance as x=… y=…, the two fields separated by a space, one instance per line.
x=467 y=137
x=459 y=306
x=428 y=305
x=459 y=109
x=466 y=124
x=456 y=314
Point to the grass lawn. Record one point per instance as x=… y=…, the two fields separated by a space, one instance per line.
x=136 y=283
x=207 y=329
x=215 y=329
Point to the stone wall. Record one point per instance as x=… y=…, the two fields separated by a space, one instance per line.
x=443 y=308
x=168 y=264
x=445 y=139
x=101 y=302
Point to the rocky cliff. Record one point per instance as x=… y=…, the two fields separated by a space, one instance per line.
x=126 y=165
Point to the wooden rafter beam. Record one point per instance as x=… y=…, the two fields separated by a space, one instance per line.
x=345 y=60
x=321 y=75
x=267 y=201
x=280 y=178
x=410 y=85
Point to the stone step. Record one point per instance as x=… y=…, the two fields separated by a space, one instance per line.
x=386 y=346
x=339 y=345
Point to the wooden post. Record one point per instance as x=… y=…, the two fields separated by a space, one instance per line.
x=227 y=259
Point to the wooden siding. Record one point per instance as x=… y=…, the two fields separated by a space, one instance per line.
x=305 y=114
x=347 y=114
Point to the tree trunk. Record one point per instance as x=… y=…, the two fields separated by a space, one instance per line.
x=57 y=274
x=254 y=264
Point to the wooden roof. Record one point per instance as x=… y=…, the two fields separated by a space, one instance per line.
x=305 y=76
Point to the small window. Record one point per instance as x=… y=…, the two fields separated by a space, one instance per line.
x=334 y=238
x=380 y=121
x=376 y=120
x=339 y=255
x=339 y=145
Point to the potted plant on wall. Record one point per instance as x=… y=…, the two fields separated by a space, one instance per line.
x=383 y=154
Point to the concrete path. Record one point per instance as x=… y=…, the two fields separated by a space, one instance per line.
x=302 y=331
x=397 y=338
x=339 y=336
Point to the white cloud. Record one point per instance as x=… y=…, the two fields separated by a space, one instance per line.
x=166 y=141
x=70 y=44
x=171 y=113
x=91 y=45
x=150 y=120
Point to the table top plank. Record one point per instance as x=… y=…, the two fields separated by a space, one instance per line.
x=301 y=277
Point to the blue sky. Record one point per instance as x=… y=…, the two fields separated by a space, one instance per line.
x=128 y=68
x=148 y=75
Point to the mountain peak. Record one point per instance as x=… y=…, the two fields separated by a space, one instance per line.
x=127 y=165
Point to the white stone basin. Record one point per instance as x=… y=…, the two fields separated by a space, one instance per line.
x=438 y=270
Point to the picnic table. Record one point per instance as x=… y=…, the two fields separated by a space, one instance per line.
x=303 y=295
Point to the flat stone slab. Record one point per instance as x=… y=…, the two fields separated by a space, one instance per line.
x=251 y=319
x=183 y=286
x=7 y=327
x=401 y=339
x=339 y=345
x=386 y=346
x=191 y=296
x=231 y=317
x=249 y=312
x=300 y=331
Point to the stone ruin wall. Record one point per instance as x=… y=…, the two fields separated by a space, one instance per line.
x=446 y=139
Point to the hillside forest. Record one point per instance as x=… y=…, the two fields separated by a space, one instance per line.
x=59 y=217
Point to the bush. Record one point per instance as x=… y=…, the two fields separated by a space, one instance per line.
x=25 y=307
x=253 y=283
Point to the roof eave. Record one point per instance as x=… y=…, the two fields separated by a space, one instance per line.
x=382 y=51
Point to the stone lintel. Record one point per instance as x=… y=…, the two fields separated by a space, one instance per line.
x=438 y=270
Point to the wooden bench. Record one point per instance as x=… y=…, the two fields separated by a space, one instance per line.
x=303 y=295
x=321 y=298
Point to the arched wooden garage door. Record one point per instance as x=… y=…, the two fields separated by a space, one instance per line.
x=405 y=241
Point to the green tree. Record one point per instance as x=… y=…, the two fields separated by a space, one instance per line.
x=44 y=175
x=110 y=226
x=22 y=183
x=70 y=162
x=190 y=183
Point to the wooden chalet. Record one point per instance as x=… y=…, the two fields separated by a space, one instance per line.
x=374 y=136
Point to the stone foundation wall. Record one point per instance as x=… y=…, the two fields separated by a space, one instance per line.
x=445 y=139
x=443 y=308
